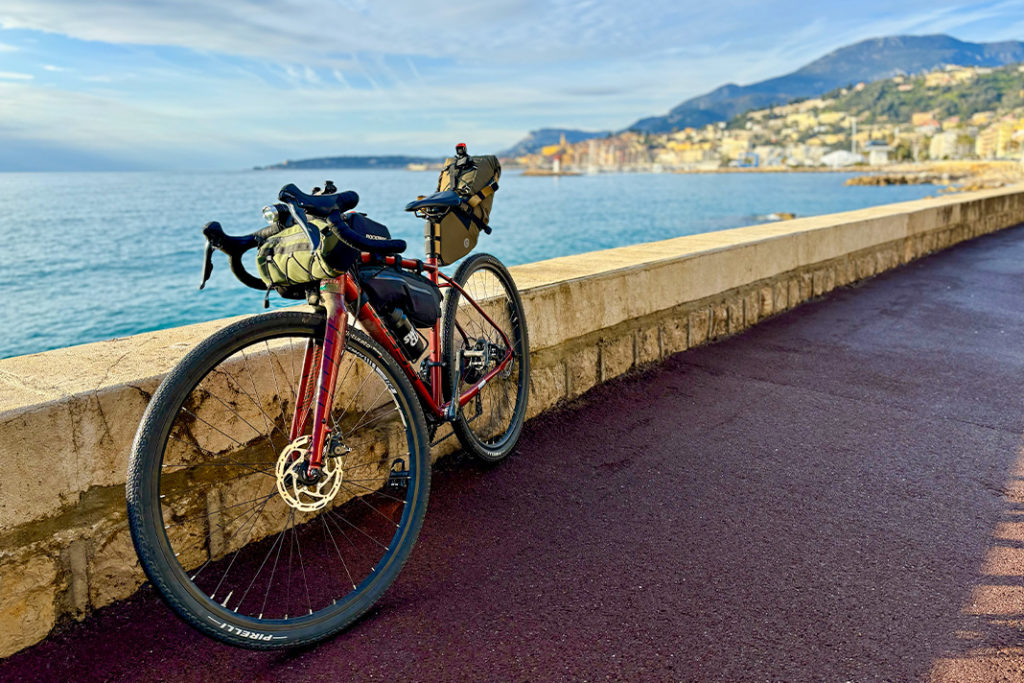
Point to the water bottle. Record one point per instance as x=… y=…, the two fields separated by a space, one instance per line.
x=412 y=342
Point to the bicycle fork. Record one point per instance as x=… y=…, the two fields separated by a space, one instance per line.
x=323 y=359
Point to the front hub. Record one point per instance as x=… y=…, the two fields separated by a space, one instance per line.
x=296 y=488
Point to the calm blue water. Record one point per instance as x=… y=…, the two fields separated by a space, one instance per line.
x=89 y=256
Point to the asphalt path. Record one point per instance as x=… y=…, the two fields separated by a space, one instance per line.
x=818 y=498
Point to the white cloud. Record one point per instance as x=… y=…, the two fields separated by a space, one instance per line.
x=362 y=76
x=340 y=77
x=684 y=45
x=51 y=67
x=501 y=32
x=4 y=47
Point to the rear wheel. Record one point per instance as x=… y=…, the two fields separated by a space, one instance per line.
x=474 y=343
x=226 y=529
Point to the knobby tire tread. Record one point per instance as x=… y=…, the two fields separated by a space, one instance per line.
x=167 y=398
x=465 y=434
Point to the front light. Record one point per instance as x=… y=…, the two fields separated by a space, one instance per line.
x=272 y=214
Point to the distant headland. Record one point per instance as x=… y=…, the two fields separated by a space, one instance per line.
x=387 y=162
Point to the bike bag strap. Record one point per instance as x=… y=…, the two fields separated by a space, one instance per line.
x=468 y=218
x=488 y=190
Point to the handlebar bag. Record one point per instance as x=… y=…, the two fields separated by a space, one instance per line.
x=456 y=234
x=288 y=259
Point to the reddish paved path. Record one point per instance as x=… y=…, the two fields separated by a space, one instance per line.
x=812 y=499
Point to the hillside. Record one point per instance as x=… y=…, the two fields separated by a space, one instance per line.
x=548 y=136
x=1000 y=90
x=868 y=60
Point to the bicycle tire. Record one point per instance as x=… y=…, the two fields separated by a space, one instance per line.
x=489 y=425
x=184 y=476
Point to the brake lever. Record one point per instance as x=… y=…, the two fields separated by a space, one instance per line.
x=207 y=262
x=299 y=216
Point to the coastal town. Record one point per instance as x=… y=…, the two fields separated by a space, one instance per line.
x=873 y=124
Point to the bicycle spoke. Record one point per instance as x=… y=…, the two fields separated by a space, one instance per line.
x=252 y=525
x=369 y=410
x=273 y=356
x=250 y=466
x=268 y=421
x=372 y=421
x=377 y=491
x=196 y=417
x=302 y=567
x=332 y=512
x=362 y=499
x=242 y=526
x=257 y=431
x=219 y=510
x=279 y=541
x=328 y=534
x=260 y=570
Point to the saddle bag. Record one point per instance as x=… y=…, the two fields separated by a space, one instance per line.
x=286 y=260
x=475 y=179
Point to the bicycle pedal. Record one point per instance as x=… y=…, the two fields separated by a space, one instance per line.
x=399 y=475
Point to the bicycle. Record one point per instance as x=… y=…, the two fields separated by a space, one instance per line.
x=280 y=474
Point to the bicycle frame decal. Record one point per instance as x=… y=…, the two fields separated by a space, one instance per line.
x=304 y=396
x=334 y=344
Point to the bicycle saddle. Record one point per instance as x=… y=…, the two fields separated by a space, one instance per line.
x=319 y=205
x=445 y=199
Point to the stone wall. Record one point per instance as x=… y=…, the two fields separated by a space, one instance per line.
x=67 y=417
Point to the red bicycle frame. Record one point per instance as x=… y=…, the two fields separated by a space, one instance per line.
x=341 y=295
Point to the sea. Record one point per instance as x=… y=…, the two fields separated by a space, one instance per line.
x=91 y=256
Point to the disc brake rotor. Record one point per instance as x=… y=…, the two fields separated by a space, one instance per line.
x=290 y=471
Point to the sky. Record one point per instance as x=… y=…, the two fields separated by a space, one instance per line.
x=210 y=85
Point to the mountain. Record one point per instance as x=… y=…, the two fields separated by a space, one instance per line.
x=548 y=136
x=353 y=162
x=868 y=60
x=999 y=90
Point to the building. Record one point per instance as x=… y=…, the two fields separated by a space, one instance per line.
x=841 y=157
x=997 y=141
x=923 y=118
x=943 y=146
x=878 y=152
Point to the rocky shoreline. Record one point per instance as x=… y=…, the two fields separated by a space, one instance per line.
x=954 y=176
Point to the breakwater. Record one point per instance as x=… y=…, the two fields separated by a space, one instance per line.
x=67 y=416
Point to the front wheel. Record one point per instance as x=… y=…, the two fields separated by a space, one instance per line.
x=475 y=341
x=226 y=528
